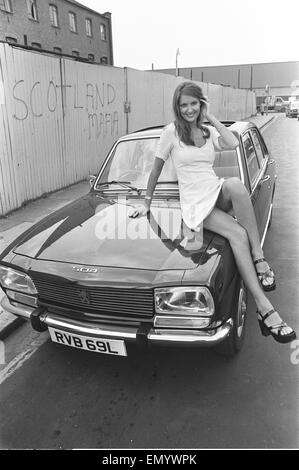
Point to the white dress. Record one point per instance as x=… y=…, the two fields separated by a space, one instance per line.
x=199 y=186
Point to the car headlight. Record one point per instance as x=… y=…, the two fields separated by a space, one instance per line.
x=16 y=280
x=184 y=300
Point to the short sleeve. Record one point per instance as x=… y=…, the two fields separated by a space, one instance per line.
x=166 y=141
x=214 y=136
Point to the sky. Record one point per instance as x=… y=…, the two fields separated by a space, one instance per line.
x=148 y=33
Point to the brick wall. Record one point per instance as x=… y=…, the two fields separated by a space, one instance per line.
x=17 y=24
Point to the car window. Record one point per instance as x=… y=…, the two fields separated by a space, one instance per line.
x=251 y=157
x=132 y=162
x=258 y=147
x=263 y=144
x=226 y=164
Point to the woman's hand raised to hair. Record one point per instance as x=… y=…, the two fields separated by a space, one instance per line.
x=204 y=109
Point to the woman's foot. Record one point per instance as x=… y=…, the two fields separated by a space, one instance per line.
x=271 y=324
x=265 y=274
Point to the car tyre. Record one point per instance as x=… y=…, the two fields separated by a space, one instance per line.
x=234 y=342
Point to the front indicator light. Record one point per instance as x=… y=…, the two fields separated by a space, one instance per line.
x=167 y=321
x=21 y=298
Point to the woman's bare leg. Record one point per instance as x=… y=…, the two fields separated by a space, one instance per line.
x=223 y=224
x=235 y=194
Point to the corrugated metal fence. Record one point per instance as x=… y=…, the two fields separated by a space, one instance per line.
x=59 y=117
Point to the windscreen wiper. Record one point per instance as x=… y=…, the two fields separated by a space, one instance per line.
x=167 y=182
x=125 y=184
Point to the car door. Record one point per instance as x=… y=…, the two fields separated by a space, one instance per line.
x=254 y=171
x=266 y=180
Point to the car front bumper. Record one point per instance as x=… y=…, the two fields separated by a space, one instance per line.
x=42 y=319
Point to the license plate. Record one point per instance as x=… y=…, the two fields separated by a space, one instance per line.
x=88 y=343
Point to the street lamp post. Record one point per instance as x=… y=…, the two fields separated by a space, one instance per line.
x=176 y=62
x=267 y=98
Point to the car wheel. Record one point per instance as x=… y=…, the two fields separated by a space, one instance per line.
x=234 y=342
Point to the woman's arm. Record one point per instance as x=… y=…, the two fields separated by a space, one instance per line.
x=227 y=139
x=151 y=184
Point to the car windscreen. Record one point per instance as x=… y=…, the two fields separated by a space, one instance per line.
x=132 y=160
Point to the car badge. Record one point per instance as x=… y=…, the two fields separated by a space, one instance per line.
x=84 y=296
x=85 y=269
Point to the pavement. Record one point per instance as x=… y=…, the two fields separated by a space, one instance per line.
x=15 y=223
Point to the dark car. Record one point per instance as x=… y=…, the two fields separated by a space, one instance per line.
x=98 y=279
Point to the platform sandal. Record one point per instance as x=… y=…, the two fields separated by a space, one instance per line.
x=269 y=330
x=263 y=276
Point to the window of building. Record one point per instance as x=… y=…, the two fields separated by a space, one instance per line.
x=88 y=27
x=72 y=22
x=103 y=33
x=57 y=49
x=104 y=60
x=53 y=15
x=5 y=5
x=75 y=53
x=11 y=40
x=37 y=45
x=91 y=57
x=32 y=9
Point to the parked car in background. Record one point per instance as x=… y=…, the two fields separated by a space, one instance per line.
x=98 y=279
x=293 y=110
x=276 y=104
x=280 y=105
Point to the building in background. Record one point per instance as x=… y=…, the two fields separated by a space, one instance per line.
x=267 y=79
x=61 y=26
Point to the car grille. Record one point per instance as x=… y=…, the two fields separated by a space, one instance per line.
x=120 y=302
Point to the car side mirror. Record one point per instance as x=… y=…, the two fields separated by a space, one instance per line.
x=91 y=179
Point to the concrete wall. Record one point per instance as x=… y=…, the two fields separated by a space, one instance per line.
x=151 y=99
x=150 y=96
x=59 y=117
x=280 y=76
x=285 y=92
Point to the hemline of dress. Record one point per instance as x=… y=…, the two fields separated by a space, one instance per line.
x=199 y=225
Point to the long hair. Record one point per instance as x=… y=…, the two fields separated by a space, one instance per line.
x=182 y=127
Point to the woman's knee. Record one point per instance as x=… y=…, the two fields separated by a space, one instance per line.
x=234 y=187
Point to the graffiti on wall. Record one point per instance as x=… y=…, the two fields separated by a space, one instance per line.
x=98 y=103
x=100 y=122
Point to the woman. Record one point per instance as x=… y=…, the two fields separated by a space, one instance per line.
x=206 y=199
